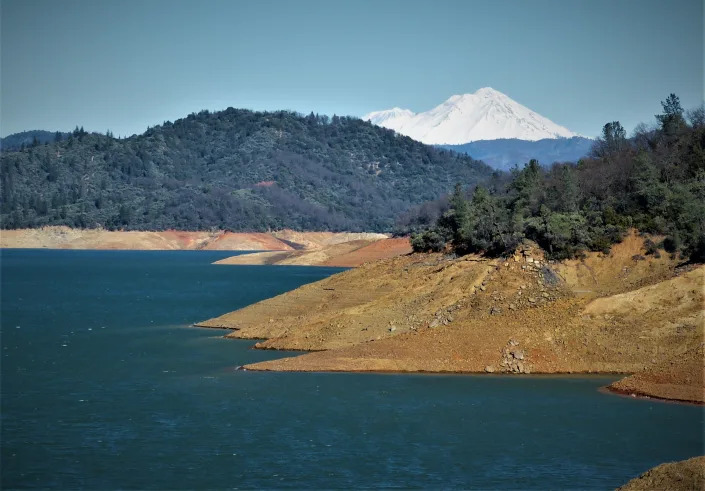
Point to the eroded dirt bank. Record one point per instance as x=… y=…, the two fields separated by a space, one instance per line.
x=679 y=378
x=674 y=476
x=281 y=241
x=622 y=313
x=360 y=249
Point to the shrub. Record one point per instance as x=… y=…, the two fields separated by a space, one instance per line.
x=428 y=241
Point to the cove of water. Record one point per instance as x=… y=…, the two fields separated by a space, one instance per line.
x=105 y=385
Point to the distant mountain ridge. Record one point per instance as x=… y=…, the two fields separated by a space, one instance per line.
x=503 y=154
x=234 y=170
x=486 y=114
x=16 y=140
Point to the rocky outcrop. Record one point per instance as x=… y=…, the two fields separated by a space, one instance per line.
x=514 y=359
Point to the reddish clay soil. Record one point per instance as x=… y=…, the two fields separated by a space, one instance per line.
x=381 y=249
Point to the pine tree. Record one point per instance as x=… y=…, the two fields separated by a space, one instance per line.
x=672 y=118
x=613 y=140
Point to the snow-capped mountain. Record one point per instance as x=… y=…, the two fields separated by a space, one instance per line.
x=485 y=115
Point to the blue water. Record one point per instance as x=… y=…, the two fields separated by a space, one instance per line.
x=105 y=385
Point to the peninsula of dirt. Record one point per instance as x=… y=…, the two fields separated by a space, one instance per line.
x=624 y=312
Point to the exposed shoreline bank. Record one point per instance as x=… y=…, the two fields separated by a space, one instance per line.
x=347 y=249
x=622 y=313
x=608 y=389
x=99 y=239
x=332 y=252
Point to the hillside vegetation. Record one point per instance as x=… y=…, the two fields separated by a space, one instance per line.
x=230 y=170
x=654 y=182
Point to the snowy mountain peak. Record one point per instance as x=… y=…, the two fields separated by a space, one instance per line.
x=489 y=92
x=484 y=92
x=486 y=114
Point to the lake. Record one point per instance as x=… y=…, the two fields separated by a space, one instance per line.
x=106 y=385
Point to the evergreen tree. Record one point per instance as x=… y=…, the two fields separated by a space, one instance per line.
x=612 y=141
x=672 y=117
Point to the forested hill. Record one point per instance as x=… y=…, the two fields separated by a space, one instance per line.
x=233 y=170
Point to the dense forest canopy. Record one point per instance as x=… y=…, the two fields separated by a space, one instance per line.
x=232 y=170
x=654 y=182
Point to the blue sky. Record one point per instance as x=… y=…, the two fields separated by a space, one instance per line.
x=124 y=65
